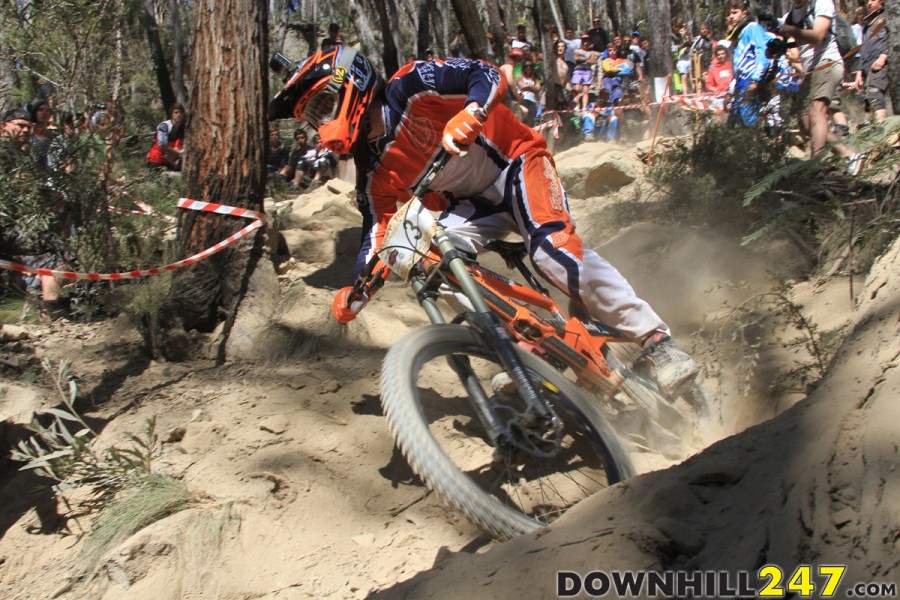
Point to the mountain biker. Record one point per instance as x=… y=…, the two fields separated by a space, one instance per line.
x=501 y=179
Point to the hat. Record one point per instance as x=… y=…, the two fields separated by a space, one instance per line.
x=635 y=34
x=428 y=51
x=517 y=53
x=585 y=36
x=16 y=114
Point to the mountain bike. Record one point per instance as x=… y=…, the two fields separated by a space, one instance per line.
x=490 y=404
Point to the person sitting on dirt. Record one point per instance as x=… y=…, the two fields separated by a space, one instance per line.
x=167 y=151
x=324 y=162
x=301 y=160
x=277 y=159
x=501 y=178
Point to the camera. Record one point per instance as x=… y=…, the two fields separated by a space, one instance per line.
x=778 y=47
x=282 y=65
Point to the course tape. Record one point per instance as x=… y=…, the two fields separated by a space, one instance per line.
x=258 y=219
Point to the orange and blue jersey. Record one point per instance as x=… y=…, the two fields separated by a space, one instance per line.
x=418 y=102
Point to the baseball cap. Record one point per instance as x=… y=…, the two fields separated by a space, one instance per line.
x=16 y=114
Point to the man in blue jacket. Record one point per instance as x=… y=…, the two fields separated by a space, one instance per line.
x=750 y=62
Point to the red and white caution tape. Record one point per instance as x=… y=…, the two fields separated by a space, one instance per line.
x=258 y=219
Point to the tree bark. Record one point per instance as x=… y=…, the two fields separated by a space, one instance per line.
x=178 y=59
x=163 y=79
x=546 y=45
x=470 y=22
x=659 y=14
x=391 y=52
x=892 y=21
x=423 y=35
x=225 y=162
x=359 y=18
x=613 y=13
x=493 y=12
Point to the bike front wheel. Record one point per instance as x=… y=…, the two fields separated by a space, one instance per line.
x=507 y=491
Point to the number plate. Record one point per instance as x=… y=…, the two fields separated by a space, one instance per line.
x=407 y=238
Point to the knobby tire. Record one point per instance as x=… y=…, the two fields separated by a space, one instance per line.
x=409 y=403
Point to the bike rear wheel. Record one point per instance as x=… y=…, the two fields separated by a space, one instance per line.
x=434 y=423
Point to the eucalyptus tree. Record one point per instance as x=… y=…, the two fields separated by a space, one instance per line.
x=226 y=156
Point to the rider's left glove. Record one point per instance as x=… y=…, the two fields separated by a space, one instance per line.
x=463 y=129
x=343 y=309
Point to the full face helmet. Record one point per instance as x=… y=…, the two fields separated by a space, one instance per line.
x=331 y=91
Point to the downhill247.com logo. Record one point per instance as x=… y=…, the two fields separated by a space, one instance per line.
x=770 y=581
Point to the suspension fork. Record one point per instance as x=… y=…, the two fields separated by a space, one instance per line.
x=494 y=332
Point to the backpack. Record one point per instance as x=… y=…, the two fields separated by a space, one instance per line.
x=840 y=27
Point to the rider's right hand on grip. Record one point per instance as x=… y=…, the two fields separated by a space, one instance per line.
x=343 y=308
x=463 y=129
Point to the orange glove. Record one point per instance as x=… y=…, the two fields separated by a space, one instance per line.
x=345 y=310
x=463 y=129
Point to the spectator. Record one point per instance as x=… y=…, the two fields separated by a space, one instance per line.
x=637 y=56
x=521 y=40
x=15 y=245
x=572 y=43
x=720 y=73
x=562 y=65
x=324 y=163
x=167 y=151
x=750 y=63
x=812 y=27
x=528 y=87
x=458 y=48
x=42 y=133
x=703 y=46
x=583 y=74
x=428 y=55
x=300 y=160
x=334 y=37
x=277 y=159
x=872 y=78
x=508 y=70
x=598 y=36
x=615 y=69
x=16 y=132
x=66 y=151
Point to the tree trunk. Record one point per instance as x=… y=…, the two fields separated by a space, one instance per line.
x=225 y=164
x=423 y=36
x=630 y=18
x=892 y=21
x=659 y=14
x=613 y=12
x=467 y=14
x=178 y=60
x=166 y=91
x=546 y=45
x=391 y=53
x=359 y=18
x=493 y=12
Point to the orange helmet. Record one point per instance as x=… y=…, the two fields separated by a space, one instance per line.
x=331 y=91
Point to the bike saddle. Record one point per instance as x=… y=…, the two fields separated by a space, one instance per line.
x=508 y=250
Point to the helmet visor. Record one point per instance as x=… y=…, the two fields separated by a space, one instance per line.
x=321 y=108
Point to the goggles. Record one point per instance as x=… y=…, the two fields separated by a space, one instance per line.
x=322 y=107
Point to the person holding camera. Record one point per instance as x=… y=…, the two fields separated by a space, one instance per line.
x=810 y=24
